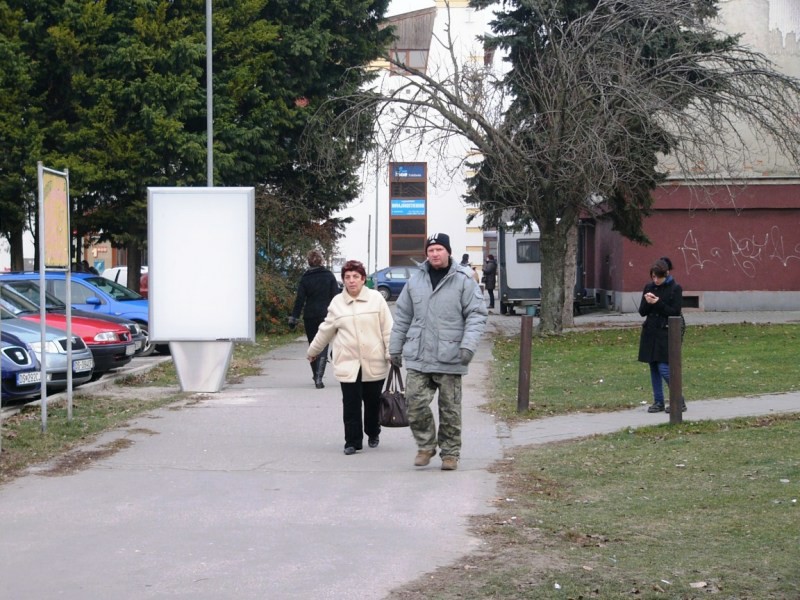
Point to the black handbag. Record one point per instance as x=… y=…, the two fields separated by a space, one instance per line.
x=393 y=405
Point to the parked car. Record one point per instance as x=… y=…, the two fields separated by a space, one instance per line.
x=30 y=289
x=55 y=349
x=110 y=343
x=120 y=275
x=94 y=294
x=19 y=368
x=391 y=281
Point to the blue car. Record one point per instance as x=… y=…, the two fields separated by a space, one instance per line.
x=390 y=281
x=97 y=295
x=21 y=374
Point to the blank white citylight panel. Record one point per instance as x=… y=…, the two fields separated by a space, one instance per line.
x=201 y=250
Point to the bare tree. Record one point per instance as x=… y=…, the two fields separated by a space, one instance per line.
x=599 y=107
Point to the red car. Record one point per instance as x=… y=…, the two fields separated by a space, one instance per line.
x=111 y=344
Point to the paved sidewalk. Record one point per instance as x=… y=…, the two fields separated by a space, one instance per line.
x=246 y=494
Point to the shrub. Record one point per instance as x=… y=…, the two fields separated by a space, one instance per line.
x=274 y=301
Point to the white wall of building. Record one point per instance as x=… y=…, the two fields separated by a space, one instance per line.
x=367 y=238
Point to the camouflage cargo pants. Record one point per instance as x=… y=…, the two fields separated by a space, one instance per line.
x=420 y=390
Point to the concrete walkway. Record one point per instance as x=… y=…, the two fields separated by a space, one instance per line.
x=246 y=494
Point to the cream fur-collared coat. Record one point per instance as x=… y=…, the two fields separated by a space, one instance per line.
x=359 y=329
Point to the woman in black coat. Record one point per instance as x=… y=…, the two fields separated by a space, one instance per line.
x=490 y=277
x=662 y=298
x=316 y=289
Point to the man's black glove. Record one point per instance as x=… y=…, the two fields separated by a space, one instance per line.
x=292 y=323
x=396 y=360
x=466 y=356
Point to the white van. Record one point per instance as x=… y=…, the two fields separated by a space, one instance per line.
x=120 y=274
x=519 y=269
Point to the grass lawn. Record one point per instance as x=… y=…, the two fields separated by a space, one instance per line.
x=688 y=511
x=598 y=370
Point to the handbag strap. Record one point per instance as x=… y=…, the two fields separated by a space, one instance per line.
x=399 y=375
x=395 y=378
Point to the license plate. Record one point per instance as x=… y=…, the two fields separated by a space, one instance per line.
x=130 y=349
x=138 y=345
x=87 y=364
x=28 y=378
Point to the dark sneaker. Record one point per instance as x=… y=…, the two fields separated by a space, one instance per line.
x=449 y=463
x=424 y=457
x=655 y=407
x=683 y=407
x=349 y=450
x=374 y=441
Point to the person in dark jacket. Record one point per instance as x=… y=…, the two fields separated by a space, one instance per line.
x=316 y=289
x=661 y=298
x=490 y=277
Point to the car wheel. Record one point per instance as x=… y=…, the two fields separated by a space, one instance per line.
x=148 y=348
x=385 y=293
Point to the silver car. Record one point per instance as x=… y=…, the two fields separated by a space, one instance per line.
x=55 y=351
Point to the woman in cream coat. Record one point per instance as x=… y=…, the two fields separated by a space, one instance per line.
x=359 y=325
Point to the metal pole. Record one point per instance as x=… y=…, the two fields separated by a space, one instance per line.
x=209 y=98
x=42 y=299
x=377 y=180
x=524 y=384
x=675 y=372
x=68 y=277
x=369 y=235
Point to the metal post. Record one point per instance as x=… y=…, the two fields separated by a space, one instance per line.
x=675 y=376
x=209 y=98
x=524 y=384
x=42 y=306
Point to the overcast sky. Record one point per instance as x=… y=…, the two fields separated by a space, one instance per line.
x=403 y=6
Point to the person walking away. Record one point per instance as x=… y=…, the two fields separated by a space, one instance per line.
x=661 y=298
x=315 y=291
x=439 y=318
x=490 y=277
x=359 y=323
x=465 y=263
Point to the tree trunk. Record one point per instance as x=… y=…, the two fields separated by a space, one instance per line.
x=15 y=248
x=570 y=276
x=553 y=247
x=134 y=266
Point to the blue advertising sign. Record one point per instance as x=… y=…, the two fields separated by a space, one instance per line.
x=407 y=171
x=408 y=208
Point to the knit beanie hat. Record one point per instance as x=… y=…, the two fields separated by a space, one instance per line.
x=439 y=238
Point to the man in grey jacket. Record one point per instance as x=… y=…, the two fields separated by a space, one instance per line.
x=439 y=319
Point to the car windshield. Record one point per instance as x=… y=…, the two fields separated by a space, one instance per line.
x=115 y=290
x=31 y=289
x=15 y=303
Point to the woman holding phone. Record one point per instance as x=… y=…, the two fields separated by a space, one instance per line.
x=661 y=298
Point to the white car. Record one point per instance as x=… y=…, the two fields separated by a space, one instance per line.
x=120 y=274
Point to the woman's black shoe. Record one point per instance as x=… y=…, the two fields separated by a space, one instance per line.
x=349 y=450
x=374 y=441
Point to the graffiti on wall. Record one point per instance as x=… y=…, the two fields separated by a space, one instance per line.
x=744 y=253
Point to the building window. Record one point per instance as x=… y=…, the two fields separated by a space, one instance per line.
x=415 y=59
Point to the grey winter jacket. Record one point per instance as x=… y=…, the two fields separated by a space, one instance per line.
x=432 y=326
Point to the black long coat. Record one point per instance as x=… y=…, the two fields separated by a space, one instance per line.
x=490 y=274
x=654 y=340
x=315 y=291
